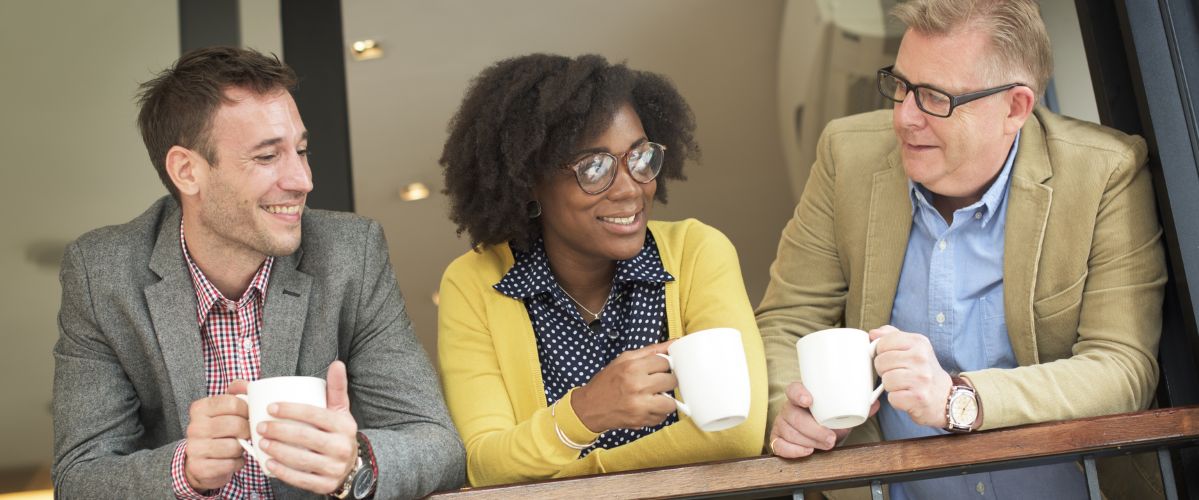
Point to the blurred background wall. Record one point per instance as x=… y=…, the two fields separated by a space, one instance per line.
x=74 y=160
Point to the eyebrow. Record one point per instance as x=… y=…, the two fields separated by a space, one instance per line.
x=936 y=87
x=636 y=143
x=276 y=140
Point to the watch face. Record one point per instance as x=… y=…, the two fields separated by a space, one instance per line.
x=364 y=482
x=964 y=409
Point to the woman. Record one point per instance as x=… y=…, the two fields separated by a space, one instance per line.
x=547 y=332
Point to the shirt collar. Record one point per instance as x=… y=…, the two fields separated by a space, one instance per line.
x=919 y=195
x=530 y=274
x=208 y=295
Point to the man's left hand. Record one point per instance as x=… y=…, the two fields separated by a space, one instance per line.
x=912 y=376
x=317 y=458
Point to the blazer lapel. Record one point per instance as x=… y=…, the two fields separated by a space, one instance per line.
x=887 y=233
x=172 y=303
x=283 y=316
x=1029 y=200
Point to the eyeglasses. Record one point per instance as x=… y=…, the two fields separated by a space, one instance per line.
x=930 y=100
x=596 y=172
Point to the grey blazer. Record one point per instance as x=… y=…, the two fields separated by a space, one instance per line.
x=129 y=363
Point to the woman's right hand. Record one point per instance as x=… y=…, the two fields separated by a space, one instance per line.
x=626 y=393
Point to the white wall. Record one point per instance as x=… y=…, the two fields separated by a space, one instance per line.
x=1071 y=78
x=721 y=55
x=73 y=161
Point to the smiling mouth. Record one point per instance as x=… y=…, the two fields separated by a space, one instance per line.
x=624 y=221
x=280 y=209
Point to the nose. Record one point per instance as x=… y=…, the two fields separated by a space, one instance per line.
x=296 y=176
x=908 y=114
x=624 y=186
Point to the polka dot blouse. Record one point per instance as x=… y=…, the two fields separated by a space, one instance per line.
x=570 y=352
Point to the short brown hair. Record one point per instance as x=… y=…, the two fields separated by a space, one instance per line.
x=1019 y=51
x=177 y=107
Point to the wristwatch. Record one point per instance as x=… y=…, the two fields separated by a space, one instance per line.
x=360 y=484
x=961 y=410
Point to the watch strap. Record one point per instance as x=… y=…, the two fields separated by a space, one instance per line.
x=366 y=458
x=369 y=457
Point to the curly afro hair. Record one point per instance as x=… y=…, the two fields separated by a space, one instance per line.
x=522 y=119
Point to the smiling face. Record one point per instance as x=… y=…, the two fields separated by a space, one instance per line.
x=960 y=155
x=252 y=200
x=608 y=226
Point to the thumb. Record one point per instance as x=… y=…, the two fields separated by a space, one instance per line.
x=237 y=386
x=336 y=396
x=880 y=331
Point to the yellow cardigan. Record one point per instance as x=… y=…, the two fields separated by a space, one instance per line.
x=492 y=376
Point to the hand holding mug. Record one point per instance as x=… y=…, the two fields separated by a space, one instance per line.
x=318 y=456
x=795 y=433
x=625 y=394
x=837 y=392
x=212 y=451
x=912 y=376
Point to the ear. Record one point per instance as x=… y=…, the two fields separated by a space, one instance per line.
x=188 y=170
x=1021 y=101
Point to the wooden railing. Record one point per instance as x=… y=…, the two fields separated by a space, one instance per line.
x=882 y=463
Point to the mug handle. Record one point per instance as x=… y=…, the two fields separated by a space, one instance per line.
x=681 y=406
x=245 y=443
x=873 y=347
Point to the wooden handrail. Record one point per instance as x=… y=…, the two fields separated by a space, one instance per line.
x=1082 y=436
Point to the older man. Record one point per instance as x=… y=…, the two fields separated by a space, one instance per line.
x=1008 y=258
x=231 y=279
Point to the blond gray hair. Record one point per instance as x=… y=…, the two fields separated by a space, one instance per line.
x=1019 y=45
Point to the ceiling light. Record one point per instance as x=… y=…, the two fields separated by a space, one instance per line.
x=366 y=49
x=414 y=191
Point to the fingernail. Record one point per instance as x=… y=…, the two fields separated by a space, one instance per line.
x=272 y=408
x=806 y=401
x=264 y=443
x=831 y=440
x=261 y=428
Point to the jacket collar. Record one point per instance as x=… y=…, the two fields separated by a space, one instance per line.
x=1028 y=211
x=172 y=304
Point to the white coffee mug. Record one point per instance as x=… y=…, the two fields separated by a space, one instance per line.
x=837 y=367
x=261 y=393
x=713 y=377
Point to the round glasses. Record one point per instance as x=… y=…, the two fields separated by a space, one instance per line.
x=596 y=172
x=930 y=100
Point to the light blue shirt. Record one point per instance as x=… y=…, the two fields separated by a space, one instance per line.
x=951 y=290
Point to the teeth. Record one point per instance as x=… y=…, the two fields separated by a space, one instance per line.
x=279 y=209
x=620 y=220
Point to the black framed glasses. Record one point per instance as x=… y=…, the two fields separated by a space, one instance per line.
x=596 y=172
x=930 y=100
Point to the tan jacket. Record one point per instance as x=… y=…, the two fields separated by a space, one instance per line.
x=1084 y=269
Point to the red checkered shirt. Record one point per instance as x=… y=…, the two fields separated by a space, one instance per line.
x=230 y=332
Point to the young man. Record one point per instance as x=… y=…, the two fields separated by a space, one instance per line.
x=1009 y=258
x=231 y=279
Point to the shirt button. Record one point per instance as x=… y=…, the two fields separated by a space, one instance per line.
x=254 y=496
x=978 y=215
x=940 y=318
x=980 y=488
x=942 y=245
x=248 y=344
x=230 y=305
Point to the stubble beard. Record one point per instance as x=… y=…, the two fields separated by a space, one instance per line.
x=236 y=222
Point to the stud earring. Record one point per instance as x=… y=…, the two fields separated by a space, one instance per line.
x=533 y=207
